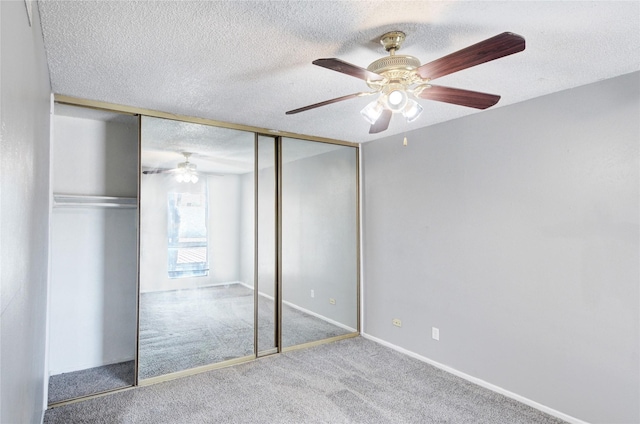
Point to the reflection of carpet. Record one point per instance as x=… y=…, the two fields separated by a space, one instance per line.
x=94 y=380
x=183 y=329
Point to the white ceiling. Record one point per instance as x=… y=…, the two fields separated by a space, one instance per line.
x=249 y=62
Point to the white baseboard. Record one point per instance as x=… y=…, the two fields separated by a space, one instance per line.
x=479 y=382
x=306 y=311
x=204 y=286
x=242 y=283
x=322 y=317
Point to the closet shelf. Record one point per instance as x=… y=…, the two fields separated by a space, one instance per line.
x=74 y=200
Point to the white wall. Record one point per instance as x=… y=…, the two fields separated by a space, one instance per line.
x=223 y=227
x=93 y=288
x=94 y=157
x=92 y=306
x=515 y=232
x=24 y=214
x=247 y=219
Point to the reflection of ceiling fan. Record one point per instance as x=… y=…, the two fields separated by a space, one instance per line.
x=184 y=172
x=400 y=80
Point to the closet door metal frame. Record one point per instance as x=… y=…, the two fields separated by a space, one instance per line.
x=279 y=241
x=256 y=294
x=136 y=380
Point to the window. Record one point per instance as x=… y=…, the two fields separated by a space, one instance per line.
x=187 y=232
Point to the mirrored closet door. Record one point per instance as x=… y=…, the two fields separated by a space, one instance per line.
x=196 y=246
x=248 y=245
x=93 y=251
x=319 y=230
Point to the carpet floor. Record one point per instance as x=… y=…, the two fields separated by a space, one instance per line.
x=183 y=329
x=349 y=381
x=94 y=380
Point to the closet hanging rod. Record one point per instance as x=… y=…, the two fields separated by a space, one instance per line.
x=74 y=200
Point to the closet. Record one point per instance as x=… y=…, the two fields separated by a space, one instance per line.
x=93 y=277
x=183 y=245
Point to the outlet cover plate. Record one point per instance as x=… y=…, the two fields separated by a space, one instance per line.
x=435 y=333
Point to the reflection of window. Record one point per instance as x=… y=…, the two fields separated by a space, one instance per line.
x=187 y=231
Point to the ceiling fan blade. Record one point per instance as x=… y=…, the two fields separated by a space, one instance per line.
x=460 y=97
x=157 y=171
x=382 y=123
x=490 y=49
x=326 y=102
x=347 y=68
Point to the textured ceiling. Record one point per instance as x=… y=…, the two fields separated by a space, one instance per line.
x=249 y=62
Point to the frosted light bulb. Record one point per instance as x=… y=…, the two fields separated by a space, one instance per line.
x=395 y=98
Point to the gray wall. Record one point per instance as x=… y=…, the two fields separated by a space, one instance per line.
x=515 y=232
x=318 y=230
x=24 y=214
x=266 y=228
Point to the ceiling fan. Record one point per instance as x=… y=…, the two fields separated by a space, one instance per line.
x=184 y=172
x=401 y=80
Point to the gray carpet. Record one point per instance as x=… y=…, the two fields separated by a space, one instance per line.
x=183 y=329
x=350 y=381
x=94 y=380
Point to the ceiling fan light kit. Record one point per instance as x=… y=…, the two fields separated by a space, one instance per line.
x=186 y=171
x=401 y=80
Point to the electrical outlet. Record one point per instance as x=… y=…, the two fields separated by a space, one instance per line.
x=332 y=301
x=435 y=333
x=397 y=322
x=313 y=293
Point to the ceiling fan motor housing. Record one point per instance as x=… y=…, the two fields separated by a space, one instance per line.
x=187 y=166
x=396 y=69
x=394 y=63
